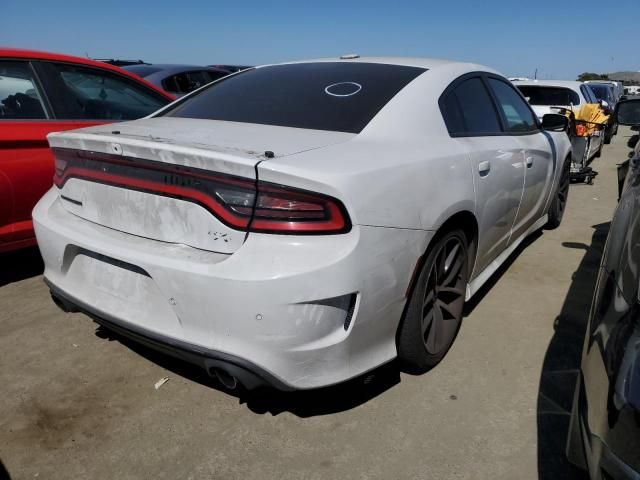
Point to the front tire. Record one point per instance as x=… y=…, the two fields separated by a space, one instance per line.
x=559 y=202
x=434 y=312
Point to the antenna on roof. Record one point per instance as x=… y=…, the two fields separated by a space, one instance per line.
x=535 y=74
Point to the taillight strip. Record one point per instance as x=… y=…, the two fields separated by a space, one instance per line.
x=156 y=188
x=199 y=186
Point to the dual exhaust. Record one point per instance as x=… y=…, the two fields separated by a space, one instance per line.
x=225 y=378
x=215 y=369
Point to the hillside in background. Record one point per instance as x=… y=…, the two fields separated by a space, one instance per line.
x=627 y=77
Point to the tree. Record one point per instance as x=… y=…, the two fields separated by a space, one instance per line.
x=583 y=77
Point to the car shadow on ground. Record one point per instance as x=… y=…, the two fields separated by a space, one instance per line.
x=306 y=403
x=20 y=265
x=470 y=306
x=4 y=474
x=562 y=362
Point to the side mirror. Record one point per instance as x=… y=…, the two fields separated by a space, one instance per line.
x=628 y=112
x=605 y=106
x=555 y=122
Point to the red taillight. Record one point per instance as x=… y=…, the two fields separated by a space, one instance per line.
x=287 y=210
x=238 y=202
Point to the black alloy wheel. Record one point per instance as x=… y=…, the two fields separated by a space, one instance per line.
x=434 y=312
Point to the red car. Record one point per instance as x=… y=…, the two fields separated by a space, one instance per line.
x=45 y=92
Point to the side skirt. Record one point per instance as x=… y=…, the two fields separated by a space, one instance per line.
x=475 y=285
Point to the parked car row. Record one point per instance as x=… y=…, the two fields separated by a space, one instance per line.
x=591 y=123
x=298 y=225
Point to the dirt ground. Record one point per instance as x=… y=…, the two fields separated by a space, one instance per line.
x=77 y=402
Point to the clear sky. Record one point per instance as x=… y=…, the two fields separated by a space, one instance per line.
x=560 y=38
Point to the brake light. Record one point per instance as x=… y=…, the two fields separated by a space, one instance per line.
x=282 y=209
x=238 y=202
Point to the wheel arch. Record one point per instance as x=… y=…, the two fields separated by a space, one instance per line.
x=461 y=219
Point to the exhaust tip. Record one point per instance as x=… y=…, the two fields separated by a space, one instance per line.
x=229 y=381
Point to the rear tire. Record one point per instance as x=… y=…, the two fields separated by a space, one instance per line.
x=434 y=310
x=559 y=202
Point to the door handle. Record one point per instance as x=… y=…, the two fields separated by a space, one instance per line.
x=484 y=168
x=529 y=162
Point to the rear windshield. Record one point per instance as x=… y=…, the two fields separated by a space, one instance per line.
x=336 y=96
x=142 y=70
x=600 y=91
x=549 y=95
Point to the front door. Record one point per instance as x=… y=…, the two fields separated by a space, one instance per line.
x=539 y=161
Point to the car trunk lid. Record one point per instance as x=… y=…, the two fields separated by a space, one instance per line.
x=166 y=178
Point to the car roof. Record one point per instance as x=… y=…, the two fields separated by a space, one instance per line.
x=19 y=53
x=442 y=68
x=550 y=83
x=428 y=63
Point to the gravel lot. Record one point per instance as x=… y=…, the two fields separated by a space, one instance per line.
x=79 y=403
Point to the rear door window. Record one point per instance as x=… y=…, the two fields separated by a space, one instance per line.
x=469 y=110
x=336 y=96
x=517 y=115
x=543 y=95
x=85 y=93
x=20 y=98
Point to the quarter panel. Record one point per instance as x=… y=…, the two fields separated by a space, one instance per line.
x=384 y=183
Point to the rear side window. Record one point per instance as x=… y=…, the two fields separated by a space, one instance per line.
x=549 y=95
x=19 y=96
x=83 y=93
x=336 y=96
x=469 y=110
x=517 y=114
x=602 y=92
x=186 y=82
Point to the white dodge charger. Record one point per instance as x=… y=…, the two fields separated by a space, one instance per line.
x=297 y=225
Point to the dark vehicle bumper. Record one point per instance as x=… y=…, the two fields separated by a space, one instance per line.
x=588 y=451
x=250 y=376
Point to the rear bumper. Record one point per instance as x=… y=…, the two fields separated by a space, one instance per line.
x=279 y=307
x=250 y=376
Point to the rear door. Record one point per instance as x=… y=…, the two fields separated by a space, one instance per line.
x=497 y=161
x=540 y=164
